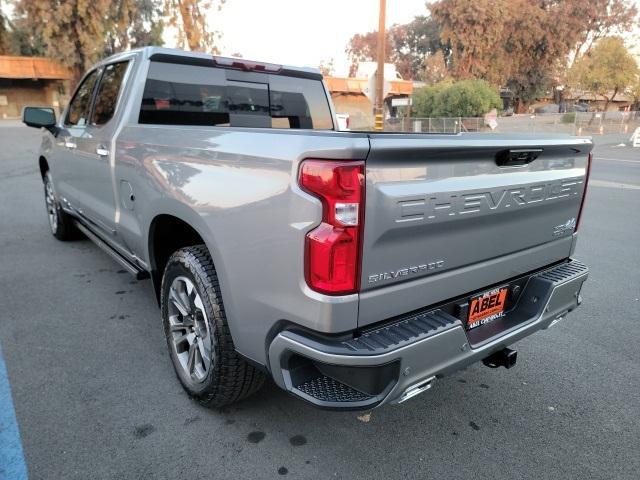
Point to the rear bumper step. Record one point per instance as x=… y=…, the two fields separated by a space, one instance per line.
x=395 y=362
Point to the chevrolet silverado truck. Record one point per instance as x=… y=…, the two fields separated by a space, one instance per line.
x=353 y=268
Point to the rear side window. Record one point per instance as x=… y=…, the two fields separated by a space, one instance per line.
x=299 y=103
x=81 y=102
x=195 y=95
x=107 y=95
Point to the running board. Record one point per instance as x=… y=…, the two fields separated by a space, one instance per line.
x=134 y=270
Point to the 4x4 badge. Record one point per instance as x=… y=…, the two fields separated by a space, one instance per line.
x=569 y=226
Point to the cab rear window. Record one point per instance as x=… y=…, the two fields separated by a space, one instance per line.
x=196 y=95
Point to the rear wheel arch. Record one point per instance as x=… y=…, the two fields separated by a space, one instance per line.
x=167 y=234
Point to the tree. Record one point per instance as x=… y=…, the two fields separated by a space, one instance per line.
x=466 y=98
x=4 y=33
x=326 y=67
x=363 y=48
x=435 y=68
x=522 y=44
x=190 y=18
x=147 y=25
x=474 y=31
x=78 y=32
x=406 y=46
x=606 y=70
x=414 y=43
x=73 y=31
x=23 y=40
x=15 y=38
x=597 y=19
x=134 y=23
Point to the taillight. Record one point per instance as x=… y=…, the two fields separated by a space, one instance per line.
x=332 y=250
x=584 y=192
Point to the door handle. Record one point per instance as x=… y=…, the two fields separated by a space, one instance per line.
x=102 y=151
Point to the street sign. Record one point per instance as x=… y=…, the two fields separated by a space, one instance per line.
x=491 y=119
x=401 y=102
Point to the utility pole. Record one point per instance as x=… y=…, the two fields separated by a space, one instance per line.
x=379 y=106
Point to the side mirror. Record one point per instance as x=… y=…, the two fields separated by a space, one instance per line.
x=40 y=117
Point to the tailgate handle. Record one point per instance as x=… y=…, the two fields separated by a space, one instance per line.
x=517 y=157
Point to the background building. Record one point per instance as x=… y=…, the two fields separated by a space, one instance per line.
x=31 y=81
x=353 y=95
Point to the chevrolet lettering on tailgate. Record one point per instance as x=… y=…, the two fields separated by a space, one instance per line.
x=462 y=204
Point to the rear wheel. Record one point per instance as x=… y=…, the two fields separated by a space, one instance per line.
x=61 y=223
x=197 y=333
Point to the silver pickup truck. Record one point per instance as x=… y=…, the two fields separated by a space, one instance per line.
x=353 y=268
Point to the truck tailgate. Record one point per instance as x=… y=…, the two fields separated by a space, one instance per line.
x=447 y=215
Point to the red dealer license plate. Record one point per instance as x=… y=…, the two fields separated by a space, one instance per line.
x=486 y=307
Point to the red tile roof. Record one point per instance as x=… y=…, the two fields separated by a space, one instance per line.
x=356 y=85
x=32 y=67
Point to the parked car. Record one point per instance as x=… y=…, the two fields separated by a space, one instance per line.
x=575 y=107
x=353 y=268
x=549 y=108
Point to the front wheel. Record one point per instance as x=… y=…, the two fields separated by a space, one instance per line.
x=61 y=223
x=197 y=333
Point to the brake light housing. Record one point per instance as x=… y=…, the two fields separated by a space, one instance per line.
x=584 y=192
x=246 y=65
x=333 y=249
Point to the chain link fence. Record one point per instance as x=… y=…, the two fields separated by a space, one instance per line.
x=572 y=123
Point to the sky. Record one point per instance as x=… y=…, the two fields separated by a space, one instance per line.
x=303 y=32
x=307 y=32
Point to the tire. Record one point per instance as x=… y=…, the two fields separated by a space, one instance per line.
x=60 y=222
x=197 y=332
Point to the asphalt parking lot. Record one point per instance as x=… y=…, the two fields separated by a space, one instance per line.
x=95 y=395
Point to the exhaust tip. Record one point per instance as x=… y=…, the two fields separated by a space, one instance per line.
x=417 y=389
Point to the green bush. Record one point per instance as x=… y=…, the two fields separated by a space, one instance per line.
x=569 y=117
x=425 y=99
x=467 y=98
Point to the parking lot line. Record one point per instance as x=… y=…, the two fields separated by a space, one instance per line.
x=617 y=160
x=12 y=465
x=607 y=184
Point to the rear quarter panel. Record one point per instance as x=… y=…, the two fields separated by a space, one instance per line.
x=237 y=187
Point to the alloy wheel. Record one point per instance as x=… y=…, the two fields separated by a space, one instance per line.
x=50 y=201
x=189 y=329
